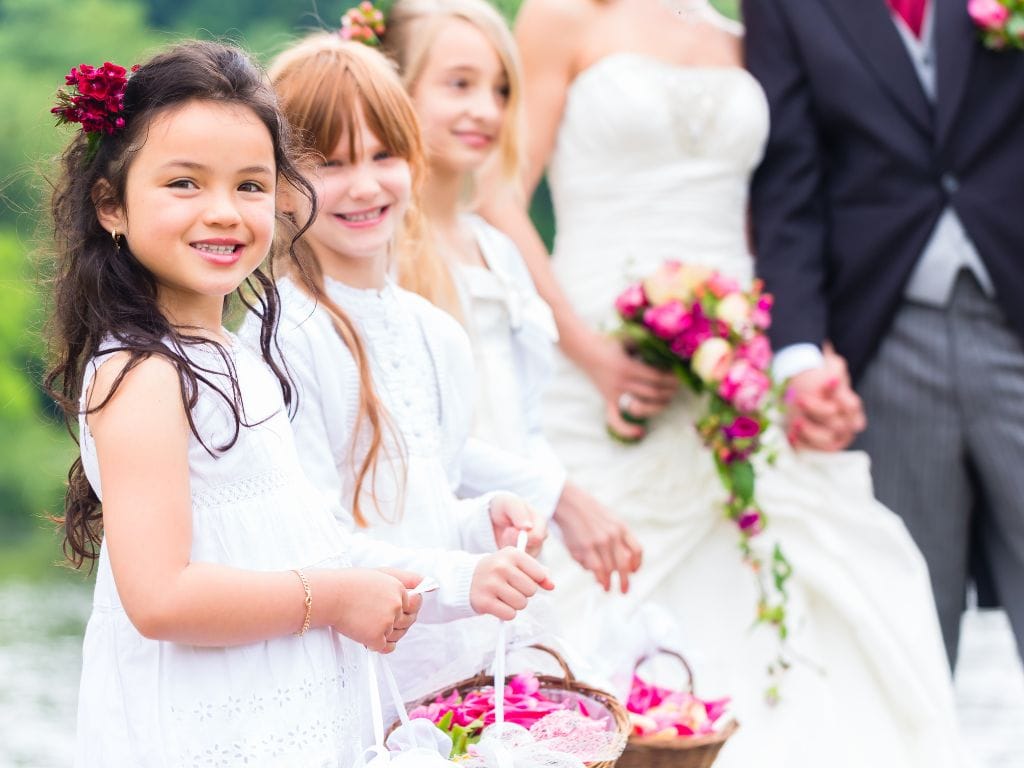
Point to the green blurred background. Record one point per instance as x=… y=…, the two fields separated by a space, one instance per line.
x=40 y=40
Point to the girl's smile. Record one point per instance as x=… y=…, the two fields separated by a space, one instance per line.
x=219 y=250
x=369 y=217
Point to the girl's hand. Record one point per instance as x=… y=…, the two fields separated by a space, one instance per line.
x=371 y=606
x=596 y=539
x=631 y=389
x=504 y=581
x=509 y=515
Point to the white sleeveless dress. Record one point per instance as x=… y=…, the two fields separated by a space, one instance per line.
x=285 y=702
x=652 y=162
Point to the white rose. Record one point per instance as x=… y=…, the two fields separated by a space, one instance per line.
x=734 y=309
x=712 y=359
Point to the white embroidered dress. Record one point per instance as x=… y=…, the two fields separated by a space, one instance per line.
x=423 y=372
x=284 y=702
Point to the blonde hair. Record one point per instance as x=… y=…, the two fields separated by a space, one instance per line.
x=323 y=85
x=412 y=29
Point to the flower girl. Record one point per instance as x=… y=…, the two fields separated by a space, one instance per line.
x=459 y=63
x=225 y=602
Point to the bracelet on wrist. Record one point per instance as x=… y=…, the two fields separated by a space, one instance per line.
x=307 y=601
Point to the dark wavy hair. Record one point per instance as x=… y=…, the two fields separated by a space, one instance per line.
x=104 y=293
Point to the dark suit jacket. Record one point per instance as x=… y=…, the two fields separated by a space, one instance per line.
x=859 y=164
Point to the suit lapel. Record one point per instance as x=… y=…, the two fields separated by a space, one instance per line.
x=869 y=26
x=954 y=49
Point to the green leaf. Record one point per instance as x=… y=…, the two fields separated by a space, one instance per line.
x=741 y=474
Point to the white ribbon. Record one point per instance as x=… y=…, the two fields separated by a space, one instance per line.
x=500 y=754
x=419 y=742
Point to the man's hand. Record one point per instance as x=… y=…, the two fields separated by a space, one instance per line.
x=824 y=412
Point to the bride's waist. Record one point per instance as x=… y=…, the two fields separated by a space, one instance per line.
x=594 y=271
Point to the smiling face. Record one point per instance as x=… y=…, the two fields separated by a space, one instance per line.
x=198 y=208
x=363 y=198
x=461 y=98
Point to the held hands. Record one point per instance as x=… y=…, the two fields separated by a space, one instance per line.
x=373 y=606
x=633 y=391
x=503 y=582
x=825 y=414
x=596 y=539
x=510 y=515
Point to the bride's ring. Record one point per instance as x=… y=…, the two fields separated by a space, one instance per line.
x=625 y=401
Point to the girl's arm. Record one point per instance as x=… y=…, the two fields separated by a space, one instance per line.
x=142 y=438
x=550 y=62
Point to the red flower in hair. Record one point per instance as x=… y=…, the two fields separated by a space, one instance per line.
x=97 y=98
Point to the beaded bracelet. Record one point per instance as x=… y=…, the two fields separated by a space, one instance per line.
x=308 y=601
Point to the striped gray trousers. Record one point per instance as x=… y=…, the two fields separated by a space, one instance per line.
x=944 y=399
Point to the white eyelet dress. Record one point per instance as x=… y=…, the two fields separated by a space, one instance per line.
x=290 y=702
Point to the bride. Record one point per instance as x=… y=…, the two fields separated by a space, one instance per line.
x=650 y=128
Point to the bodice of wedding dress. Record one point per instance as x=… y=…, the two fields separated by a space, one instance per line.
x=669 y=185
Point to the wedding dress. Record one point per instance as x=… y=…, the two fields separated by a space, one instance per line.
x=652 y=162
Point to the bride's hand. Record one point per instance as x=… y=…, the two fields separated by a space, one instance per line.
x=629 y=387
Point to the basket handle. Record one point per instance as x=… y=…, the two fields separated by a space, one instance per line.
x=667 y=652
x=566 y=672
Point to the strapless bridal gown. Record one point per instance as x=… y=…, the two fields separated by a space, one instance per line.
x=652 y=162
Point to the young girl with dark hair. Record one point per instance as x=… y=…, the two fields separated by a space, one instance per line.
x=225 y=605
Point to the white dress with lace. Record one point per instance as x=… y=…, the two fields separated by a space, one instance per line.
x=284 y=702
x=652 y=162
x=422 y=369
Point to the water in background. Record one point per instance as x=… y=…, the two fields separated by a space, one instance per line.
x=41 y=629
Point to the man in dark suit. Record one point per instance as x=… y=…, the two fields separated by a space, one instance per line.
x=888 y=220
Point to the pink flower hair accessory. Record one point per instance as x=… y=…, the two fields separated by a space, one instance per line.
x=94 y=98
x=364 y=24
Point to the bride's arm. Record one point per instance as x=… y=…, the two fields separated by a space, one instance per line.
x=550 y=61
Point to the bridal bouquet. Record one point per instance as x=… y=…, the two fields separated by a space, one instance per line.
x=710 y=331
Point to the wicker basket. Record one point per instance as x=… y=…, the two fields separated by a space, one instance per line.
x=682 y=752
x=567 y=682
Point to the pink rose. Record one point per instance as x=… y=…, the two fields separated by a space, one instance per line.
x=696 y=329
x=666 y=320
x=989 y=14
x=719 y=285
x=751 y=521
x=761 y=314
x=631 y=301
x=744 y=386
x=743 y=427
x=758 y=351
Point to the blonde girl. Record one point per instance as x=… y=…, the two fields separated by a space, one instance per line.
x=459 y=63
